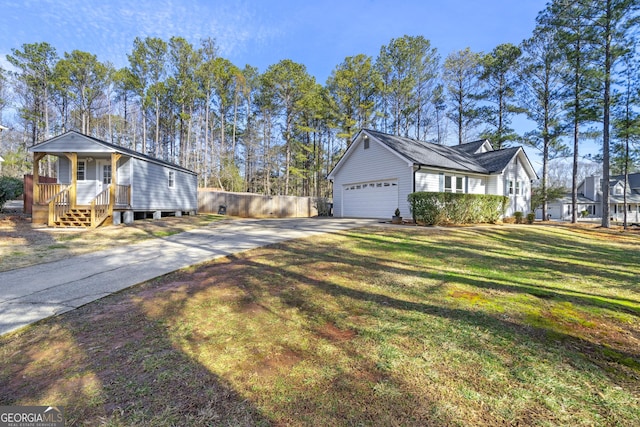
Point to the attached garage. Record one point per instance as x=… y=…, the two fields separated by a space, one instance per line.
x=375 y=199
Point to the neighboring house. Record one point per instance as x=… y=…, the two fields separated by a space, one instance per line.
x=590 y=200
x=98 y=180
x=1 y=159
x=378 y=172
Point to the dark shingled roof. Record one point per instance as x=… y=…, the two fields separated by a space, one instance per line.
x=470 y=147
x=496 y=161
x=459 y=157
x=634 y=180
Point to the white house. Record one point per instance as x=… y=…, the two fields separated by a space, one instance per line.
x=590 y=200
x=378 y=172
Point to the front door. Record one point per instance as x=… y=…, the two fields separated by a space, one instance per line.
x=104 y=174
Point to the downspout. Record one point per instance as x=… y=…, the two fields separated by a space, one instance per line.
x=413 y=213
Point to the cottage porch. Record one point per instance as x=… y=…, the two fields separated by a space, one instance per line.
x=58 y=204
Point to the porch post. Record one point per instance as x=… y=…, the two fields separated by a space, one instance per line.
x=36 y=177
x=114 y=180
x=74 y=178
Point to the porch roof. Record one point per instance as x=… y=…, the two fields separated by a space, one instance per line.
x=95 y=145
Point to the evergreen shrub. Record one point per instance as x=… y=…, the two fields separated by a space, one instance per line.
x=434 y=208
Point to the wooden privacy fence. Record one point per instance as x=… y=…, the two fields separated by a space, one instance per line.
x=28 y=190
x=249 y=205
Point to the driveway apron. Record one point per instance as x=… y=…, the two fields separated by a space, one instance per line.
x=33 y=293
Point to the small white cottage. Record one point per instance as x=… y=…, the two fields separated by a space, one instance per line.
x=378 y=172
x=98 y=181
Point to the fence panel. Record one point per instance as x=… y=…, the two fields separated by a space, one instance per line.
x=249 y=205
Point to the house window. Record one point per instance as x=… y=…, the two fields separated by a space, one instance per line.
x=172 y=179
x=447 y=184
x=518 y=188
x=459 y=184
x=81 y=173
x=106 y=174
x=450 y=180
x=510 y=187
x=366 y=143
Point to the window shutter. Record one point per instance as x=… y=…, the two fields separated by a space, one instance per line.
x=441 y=182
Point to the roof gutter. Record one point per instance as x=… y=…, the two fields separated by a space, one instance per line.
x=414 y=177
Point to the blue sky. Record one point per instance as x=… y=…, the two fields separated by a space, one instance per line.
x=318 y=34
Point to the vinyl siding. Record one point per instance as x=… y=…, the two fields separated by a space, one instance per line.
x=517 y=202
x=376 y=163
x=150 y=188
x=427 y=180
x=72 y=144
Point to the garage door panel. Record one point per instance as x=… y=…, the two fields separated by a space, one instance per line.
x=375 y=199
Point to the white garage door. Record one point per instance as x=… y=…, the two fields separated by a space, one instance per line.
x=377 y=199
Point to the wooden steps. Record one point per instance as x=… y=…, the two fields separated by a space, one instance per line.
x=76 y=217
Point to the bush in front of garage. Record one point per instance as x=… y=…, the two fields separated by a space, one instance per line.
x=433 y=208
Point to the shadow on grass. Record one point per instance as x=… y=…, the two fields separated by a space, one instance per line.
x=475 y=255
x=109 y=363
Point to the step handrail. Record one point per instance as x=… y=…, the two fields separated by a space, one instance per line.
x=100 y=207
x=59 y=205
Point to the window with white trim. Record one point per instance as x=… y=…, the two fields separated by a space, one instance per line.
x=510 y=187
x=518 y=188
x=450 y=181
x=81 y=170
x=172 y=179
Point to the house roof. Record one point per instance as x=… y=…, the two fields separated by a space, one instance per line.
x=634 y=180
x=428 y=154
x=463 y=157
x=471 y=147
x=41 y=147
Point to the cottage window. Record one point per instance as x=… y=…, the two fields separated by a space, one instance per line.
x=518 y=188
x=81 y=171
x=510 y=187
x=172 y=179
x=447 y=184
x=366 y=143
x=459 y=184
x=618 y=191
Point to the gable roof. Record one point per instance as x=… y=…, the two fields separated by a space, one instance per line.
x=41 y=147
x=428 y=154
x=463 y=157
x=472 y=147
x=634 y=180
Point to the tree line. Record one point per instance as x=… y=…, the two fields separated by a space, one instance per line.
x=281 y=132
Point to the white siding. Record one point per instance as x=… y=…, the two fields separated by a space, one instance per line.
x=476 y=185
x=516 y=172
x=427 y=180
x=377 y=163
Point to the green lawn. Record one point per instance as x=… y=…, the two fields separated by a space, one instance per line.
x=517 y=325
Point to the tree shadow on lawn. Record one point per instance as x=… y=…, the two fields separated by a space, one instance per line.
x=603 y=355
x=479 y=256
x=109 y=362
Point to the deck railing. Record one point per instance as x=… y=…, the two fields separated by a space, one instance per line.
x=47 y=191
x=123 y=195
x=59 y=205
x=100 y=208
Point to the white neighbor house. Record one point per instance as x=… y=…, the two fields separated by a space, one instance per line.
x=378 y=172
x=590 y=200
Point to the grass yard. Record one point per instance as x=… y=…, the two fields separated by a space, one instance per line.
x=500 y=325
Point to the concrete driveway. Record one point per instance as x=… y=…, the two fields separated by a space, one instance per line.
x=33 y=293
